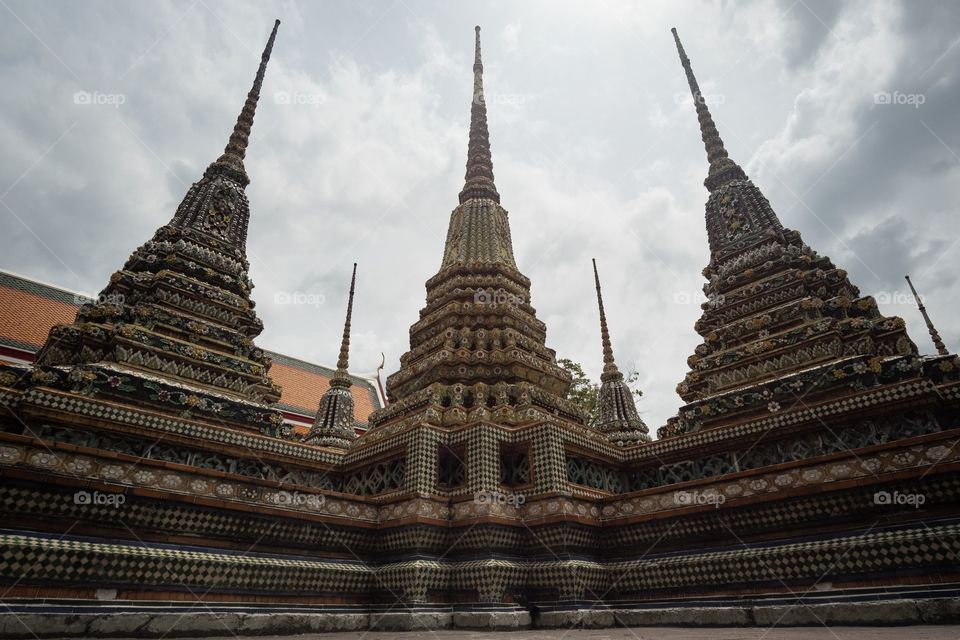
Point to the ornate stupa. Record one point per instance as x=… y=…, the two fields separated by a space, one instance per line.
x=617 y=415
x=478 y=349
x=335 y=425
x=777 y=311
x=180 y=309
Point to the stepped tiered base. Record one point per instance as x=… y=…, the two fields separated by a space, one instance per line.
x=517 y=509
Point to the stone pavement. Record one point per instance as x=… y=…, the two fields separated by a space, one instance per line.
x=656 y=633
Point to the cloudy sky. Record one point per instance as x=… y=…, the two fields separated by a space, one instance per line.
x=358 y=150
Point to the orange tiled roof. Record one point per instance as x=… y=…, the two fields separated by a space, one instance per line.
x=303 y=384
x=28 y=309
x=26 y=318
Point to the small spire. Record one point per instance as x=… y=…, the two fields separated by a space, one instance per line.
x=609 y=366
x=478 y=181
x=236 y=148
x=344 y=360
x=617 y=418
x=722 y=168
x=934 y=334
x=334 y=424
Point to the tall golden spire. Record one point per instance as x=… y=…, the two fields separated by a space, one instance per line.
x=479 y=177
x=934 y=334
x=236 y=148
x=722 y=168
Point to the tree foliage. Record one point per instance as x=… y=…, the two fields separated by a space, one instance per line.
x=583 y=391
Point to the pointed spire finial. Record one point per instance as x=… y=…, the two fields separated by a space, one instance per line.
x=478 y=181
x=934 y=334
x=722 y=168
x=236 y=148
x=617 y=416
x=344 y=360
x=609 y=366
x=334 y=424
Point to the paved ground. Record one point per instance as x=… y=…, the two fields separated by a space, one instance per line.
x=659 y=633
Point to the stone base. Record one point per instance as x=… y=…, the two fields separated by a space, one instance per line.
x=174 y=625
x=492 y=620
x=884 y=613
x=231 y=624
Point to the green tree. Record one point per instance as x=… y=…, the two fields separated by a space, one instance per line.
x=583 y=391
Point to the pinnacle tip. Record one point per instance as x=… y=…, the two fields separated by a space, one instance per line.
x=477 y=28
x=276 y=22
x=673 y=30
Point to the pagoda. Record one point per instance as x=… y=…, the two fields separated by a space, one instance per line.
x=177 y=322
x=335 y=425
x=781 y=322
x=478 y=340
x=617 y=411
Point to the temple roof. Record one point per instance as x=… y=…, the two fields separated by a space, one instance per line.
x=29 y=308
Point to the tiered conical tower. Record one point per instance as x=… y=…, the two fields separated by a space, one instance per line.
x=335 y=425
x=775 y=307
x=618 y=419
x=180 y=308
x=478 y=349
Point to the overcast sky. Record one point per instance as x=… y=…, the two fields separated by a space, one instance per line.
x=358 y=151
